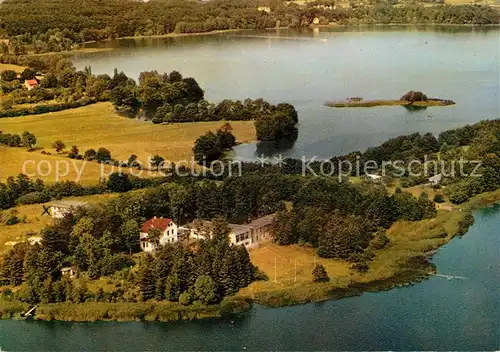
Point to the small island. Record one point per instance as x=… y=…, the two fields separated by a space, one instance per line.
x=412 y=98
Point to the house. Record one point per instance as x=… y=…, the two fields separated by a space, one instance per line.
x=168 y=229
x=70 y=272
x=436 y=179
x=31 y=84
x=61 y=208
x=248 y=235
x=374 y=178
x=34 y=240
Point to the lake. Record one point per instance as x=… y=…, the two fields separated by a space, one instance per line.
x=311 y=66
x=307 y=68
x=437 y=314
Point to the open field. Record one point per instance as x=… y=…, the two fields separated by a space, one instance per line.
x=97 y=126
x=4 y=67
x=14 y=161
x=34 y=221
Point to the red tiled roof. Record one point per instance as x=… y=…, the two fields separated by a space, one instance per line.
x=32 y=82
x=155 y=223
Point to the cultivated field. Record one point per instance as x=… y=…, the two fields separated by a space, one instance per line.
x=97 y=126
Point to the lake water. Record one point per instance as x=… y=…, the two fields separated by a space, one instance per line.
x=309 y=67
x=437 y=314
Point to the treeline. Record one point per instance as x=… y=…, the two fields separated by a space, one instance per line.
x=477 y=145
x=228 y=110
x=479 y=142
x=52 y=26
x=338 y=229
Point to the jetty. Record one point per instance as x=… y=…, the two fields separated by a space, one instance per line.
x=450 y=277
x=30 y=313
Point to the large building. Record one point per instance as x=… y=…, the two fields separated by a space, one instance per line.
x=248 y=235
x=168 y=230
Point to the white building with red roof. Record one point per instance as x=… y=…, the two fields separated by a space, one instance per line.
x=169 y=233
x=31 y=83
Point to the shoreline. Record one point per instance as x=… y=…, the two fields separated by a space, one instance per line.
x=86 y=50
x=416 y=269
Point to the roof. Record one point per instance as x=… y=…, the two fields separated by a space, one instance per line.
x=239 y=229
x=68 y=204
x=263 y=221
x=436 y=178
x=32 y=82
x=372 y=176
x=155 y=223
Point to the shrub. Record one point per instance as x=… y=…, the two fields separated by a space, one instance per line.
x=185 y=299
x=413 y=96
x=113 y=263
x=33 y=198
x=438 y=198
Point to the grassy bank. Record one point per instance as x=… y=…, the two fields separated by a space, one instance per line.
x=395 y=102
x=147 y=311
x=404 y=261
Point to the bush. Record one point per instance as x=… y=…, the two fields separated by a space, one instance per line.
x=362 y=267
x=438 y=198
x=33 y=198
x=185 y=299
x=413 y=96
x=113 y=263
x=380 y=240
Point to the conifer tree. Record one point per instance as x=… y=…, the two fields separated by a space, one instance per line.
x=146 y=278
x=319 y=274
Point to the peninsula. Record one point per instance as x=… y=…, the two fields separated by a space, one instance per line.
x=410 y=99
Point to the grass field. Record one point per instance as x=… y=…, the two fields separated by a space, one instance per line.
x=4 y=67
x=97 y=126
x=9 y=235
x=14 y=161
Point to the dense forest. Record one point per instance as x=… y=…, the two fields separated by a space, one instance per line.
x=97 y=240
x=340 y=219
x=40 y=26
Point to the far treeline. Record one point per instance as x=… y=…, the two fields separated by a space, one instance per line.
x=58 y=25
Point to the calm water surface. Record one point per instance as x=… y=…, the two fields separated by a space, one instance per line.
x=437 y=314
x=309 y=67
